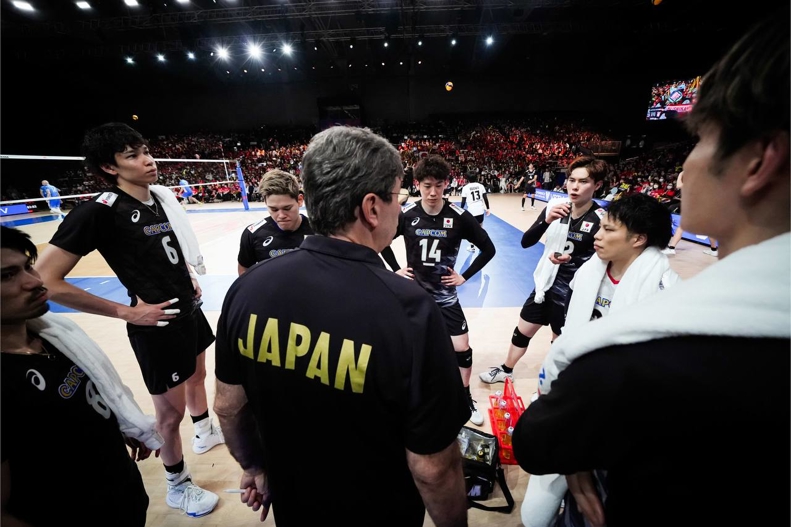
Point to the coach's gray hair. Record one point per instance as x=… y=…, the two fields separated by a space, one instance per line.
x=341 y=165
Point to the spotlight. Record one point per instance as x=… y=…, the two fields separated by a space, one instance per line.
x=453 y=42
x=254 y=50
x=386 y=43
x=130 y=60
x=191 y=55
x=160 y=57
x=131 y=3
x=23 y=6
x=222 y=53
x=287 y=49
x=83 y=5
x=419 y=42
x=489 y=41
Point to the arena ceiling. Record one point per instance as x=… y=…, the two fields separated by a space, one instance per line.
x=376 y=37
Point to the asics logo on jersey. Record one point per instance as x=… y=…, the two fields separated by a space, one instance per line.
x=436 y=233
x=464 y=326
x=415 y=221
x=135 y=216
x=268 y=241
x=157 y=228
x=36 y=379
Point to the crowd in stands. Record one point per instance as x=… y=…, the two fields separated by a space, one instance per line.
x=498 y=152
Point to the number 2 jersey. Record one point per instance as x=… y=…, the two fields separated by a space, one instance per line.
x=432 y=246
x=136 y=240
x=579 y=244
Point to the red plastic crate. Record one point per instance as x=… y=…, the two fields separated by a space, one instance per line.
x=505 y=412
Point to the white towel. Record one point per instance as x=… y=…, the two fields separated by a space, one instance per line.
x=85 y=353
x=181 y=227
x=546 y=271
x=648 y=274
x=745 y=294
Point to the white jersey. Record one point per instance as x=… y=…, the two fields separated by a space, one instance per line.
x=604 y=296
x=474 y=192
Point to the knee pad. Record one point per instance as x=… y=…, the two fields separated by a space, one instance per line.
x=519 y=340
x=464 y=358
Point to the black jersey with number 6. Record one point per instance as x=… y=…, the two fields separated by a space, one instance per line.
x=432 y=244
x=136 y=240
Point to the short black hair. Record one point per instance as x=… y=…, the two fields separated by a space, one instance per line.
x=642 y=214
x=472 y=177
x=18 y=241
x=100 y=145
x=432 y=166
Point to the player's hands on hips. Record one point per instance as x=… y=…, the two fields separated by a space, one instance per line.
x=196 y=287
x=558 y=211
x=256 y=491
x=453 y=278
x=406 y=272
x=150 y=314
x=564 y=258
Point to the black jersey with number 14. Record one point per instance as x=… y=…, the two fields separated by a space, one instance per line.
x=432 y=244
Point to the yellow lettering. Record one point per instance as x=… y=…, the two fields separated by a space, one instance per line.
x=246 y=349
x=356 y=371
x=270 y=344
x=294 y=350
x=318 y=361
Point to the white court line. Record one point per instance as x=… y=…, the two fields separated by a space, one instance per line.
x=102 y=283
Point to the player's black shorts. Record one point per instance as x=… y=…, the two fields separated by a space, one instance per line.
x=454 y=319
x=530 y=190
x=551 y=312
x=167 y=355
x=479 y=219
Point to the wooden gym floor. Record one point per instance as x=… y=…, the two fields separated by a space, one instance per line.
x=491 y=301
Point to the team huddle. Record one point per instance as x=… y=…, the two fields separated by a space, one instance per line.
x=636 y=387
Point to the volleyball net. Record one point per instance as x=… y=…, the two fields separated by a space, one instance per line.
x=213 y=172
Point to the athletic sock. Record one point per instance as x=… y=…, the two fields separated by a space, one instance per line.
x=506 y=369
x=201 y=417
x=523 y=202
x=177 y=468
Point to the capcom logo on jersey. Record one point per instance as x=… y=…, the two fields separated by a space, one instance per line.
x=436 y=233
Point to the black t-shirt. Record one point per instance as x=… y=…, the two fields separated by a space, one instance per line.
x=691 y=430
x=432 y=244
x=579 y=244
x=354 y=343
x=265 y=239
x=136 y=240
x=63 y=442
x=531 y=178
